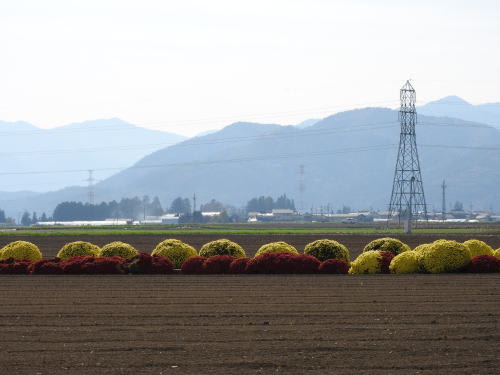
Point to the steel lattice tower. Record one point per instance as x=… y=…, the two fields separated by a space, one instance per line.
x=407 y=198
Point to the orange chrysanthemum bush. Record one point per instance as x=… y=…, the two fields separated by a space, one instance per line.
x=477 y=247
x=391 y=245
x=327 y=249
x=443 y=256
x=371 y=261
x=21 y=250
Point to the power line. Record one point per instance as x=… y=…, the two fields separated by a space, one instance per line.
x=361 y=149
x=192 y=142
x=186 y=123
x=238 y=160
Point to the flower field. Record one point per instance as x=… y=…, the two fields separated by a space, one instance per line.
x=382 y=255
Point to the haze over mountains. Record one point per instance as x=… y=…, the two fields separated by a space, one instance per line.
x=455 y=107
x=348 y=157
x=81 y=146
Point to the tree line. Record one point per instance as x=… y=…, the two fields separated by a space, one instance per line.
x=139 y=208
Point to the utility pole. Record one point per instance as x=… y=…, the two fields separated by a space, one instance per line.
x=407 y=197
x=443 y=206
x=90 y=193
x=302 y=187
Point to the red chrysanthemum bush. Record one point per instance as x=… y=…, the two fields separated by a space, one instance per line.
x=13 y=266
x=51 y=266
x=104 y=266
x=239 y=265
x=193 y=266
x=147 y=264
x=217 y=264
x=283 y=263
x=484 y=264
x=334 y=266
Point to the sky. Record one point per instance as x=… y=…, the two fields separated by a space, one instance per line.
x=190 y=66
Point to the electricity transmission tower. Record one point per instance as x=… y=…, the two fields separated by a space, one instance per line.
x=90 y=180
x=407 y=197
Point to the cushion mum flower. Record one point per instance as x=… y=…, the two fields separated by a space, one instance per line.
x=405 y=262
x=222 y=247
x=477 y=247
x=117 y=248
x=392 y=245
x=276 y=247
x=327 y=249
x=174 y=250
x=21 y=250
x=496 y=253
x=78 y=248
x=371 y=261
x=443 y=256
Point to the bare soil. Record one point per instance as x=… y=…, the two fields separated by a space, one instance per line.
x=250 y=324
x=50 y=245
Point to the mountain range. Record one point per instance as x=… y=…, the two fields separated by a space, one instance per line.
x=79 y=146
x=455 y=107
x=348 y=159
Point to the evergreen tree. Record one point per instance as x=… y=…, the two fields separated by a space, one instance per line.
x=25 y=219
x=44 y=217
x=34 y=218
x=2 y=217
x=180 y=206
x=212 y=206
x=155 y=208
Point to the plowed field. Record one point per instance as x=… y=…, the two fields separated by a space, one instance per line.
x=250 y=324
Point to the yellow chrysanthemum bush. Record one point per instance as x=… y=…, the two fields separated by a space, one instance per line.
x=119 y=249
x=222 y=247
x=477 y=247
x=496 y=253
x=421 y=247
x=327 y=249
x=443 y=256
x=371 y=261
x=276 y=247
x=78 y=248
x=175 y=251
x=391 y=245
x=21 y=250
x=406 y=262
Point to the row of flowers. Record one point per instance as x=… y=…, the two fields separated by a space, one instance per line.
x=384 y=255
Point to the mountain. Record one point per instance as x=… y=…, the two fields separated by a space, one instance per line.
x=455 y=107
x=78 y=146
x=348 y=159
x=307 y=123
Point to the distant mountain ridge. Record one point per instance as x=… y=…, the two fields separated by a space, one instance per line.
x=348 y=158
x=456 y=107
x=78 y=146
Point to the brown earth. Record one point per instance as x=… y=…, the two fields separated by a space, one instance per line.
x=250 y=324
x=49 y=245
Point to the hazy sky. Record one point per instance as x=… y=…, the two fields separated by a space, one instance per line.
x=188 y=66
